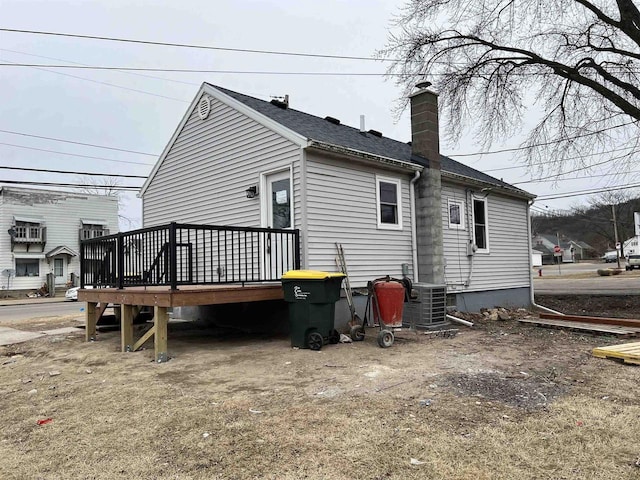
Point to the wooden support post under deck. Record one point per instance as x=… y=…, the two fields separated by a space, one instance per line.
x=161 y=318
x=126 y=327
x=91 y=321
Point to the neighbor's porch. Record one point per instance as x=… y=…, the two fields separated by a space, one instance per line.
x=179 y=265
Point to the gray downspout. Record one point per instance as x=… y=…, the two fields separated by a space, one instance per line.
x=533 y=302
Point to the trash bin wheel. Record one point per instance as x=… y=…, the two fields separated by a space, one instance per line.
x=385 y=338
x=357 y=333
x=315 y=341
x=334 y=337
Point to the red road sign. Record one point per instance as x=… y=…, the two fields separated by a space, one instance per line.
x=557 y=249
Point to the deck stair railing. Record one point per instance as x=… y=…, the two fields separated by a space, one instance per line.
x=185 y=254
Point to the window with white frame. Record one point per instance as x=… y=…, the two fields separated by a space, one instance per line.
x=480 y=225
x=92 y=231
x=27 y=232
x=388 y=193
x=27 y=267
x=456 y=214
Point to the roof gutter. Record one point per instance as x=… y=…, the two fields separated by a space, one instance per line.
x=514 y=192
x=390 y=162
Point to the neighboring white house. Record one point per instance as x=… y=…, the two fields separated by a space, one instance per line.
x=394 y=206
x=631 y=246
x=40 y=232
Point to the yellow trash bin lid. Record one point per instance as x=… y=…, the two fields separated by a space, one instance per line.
x=310 y=275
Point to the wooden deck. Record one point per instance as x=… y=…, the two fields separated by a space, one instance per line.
x=192 y=295
x=162 y=298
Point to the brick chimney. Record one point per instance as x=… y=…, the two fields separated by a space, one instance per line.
x=425 y=134
x=425 y=142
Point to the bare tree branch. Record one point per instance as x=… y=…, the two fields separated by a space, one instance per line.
x=577 y=60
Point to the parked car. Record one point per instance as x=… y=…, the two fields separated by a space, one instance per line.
x=72 y=294
x=610 y=257
x=633 y=261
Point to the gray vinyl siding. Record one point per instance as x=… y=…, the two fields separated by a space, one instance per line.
x=341 y=204
x=506 y=265
x=61 y=214
x=209 y=166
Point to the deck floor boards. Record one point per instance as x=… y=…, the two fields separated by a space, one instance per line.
x=586 y=327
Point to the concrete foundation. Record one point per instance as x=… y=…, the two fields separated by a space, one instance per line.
x=508 y=298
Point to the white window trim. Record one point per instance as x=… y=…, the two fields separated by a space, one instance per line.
x=486 y=222
x=460 y=203
x=398 y=184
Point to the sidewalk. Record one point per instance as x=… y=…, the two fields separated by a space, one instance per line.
x=5 y=302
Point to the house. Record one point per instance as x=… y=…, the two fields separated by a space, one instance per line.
x=41 y=232
x=546 y=244
x=581 y=250
x=397 y=208
x=631 y=246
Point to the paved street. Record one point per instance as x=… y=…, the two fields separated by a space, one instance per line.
x=40 y=310
x=569 y=279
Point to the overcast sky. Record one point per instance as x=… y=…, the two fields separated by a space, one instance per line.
x=140 y=111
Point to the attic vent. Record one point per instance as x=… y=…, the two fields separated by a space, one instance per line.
x=279 y=104
x=335 y=121
x=204 y=107
x=375 y=133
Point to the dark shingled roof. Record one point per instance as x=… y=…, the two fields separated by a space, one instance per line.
x=321 y=130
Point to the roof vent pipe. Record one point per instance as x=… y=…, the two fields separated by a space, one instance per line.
x=362 y=129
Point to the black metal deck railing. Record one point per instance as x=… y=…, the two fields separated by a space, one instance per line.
x=182 y=254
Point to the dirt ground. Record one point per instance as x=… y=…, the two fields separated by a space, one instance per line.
x=622 y=306
x=501 y=400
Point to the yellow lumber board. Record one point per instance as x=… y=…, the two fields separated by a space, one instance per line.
x=629 y=352
x=623 y=347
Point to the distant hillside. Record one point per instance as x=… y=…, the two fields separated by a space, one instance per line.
x=593 y=225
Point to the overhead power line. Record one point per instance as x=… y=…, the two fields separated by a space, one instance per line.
x=552 y=142
x=75 y=154
x=545 y=179
x=580 y=169
x=197 y=70
x=119 y=175
x=164 y=79
x=568 y=158
x=577 y=193
x=78 y=143
x=71 y=185
x=201 y=47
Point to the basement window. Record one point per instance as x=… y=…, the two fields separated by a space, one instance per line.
x=388 y=194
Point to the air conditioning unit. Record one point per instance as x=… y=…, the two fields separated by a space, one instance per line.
x=427 y=307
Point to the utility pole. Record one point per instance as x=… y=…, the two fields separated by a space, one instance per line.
x=558 y=256
x=615 y=233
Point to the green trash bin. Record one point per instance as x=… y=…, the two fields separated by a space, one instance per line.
x=312 y=296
